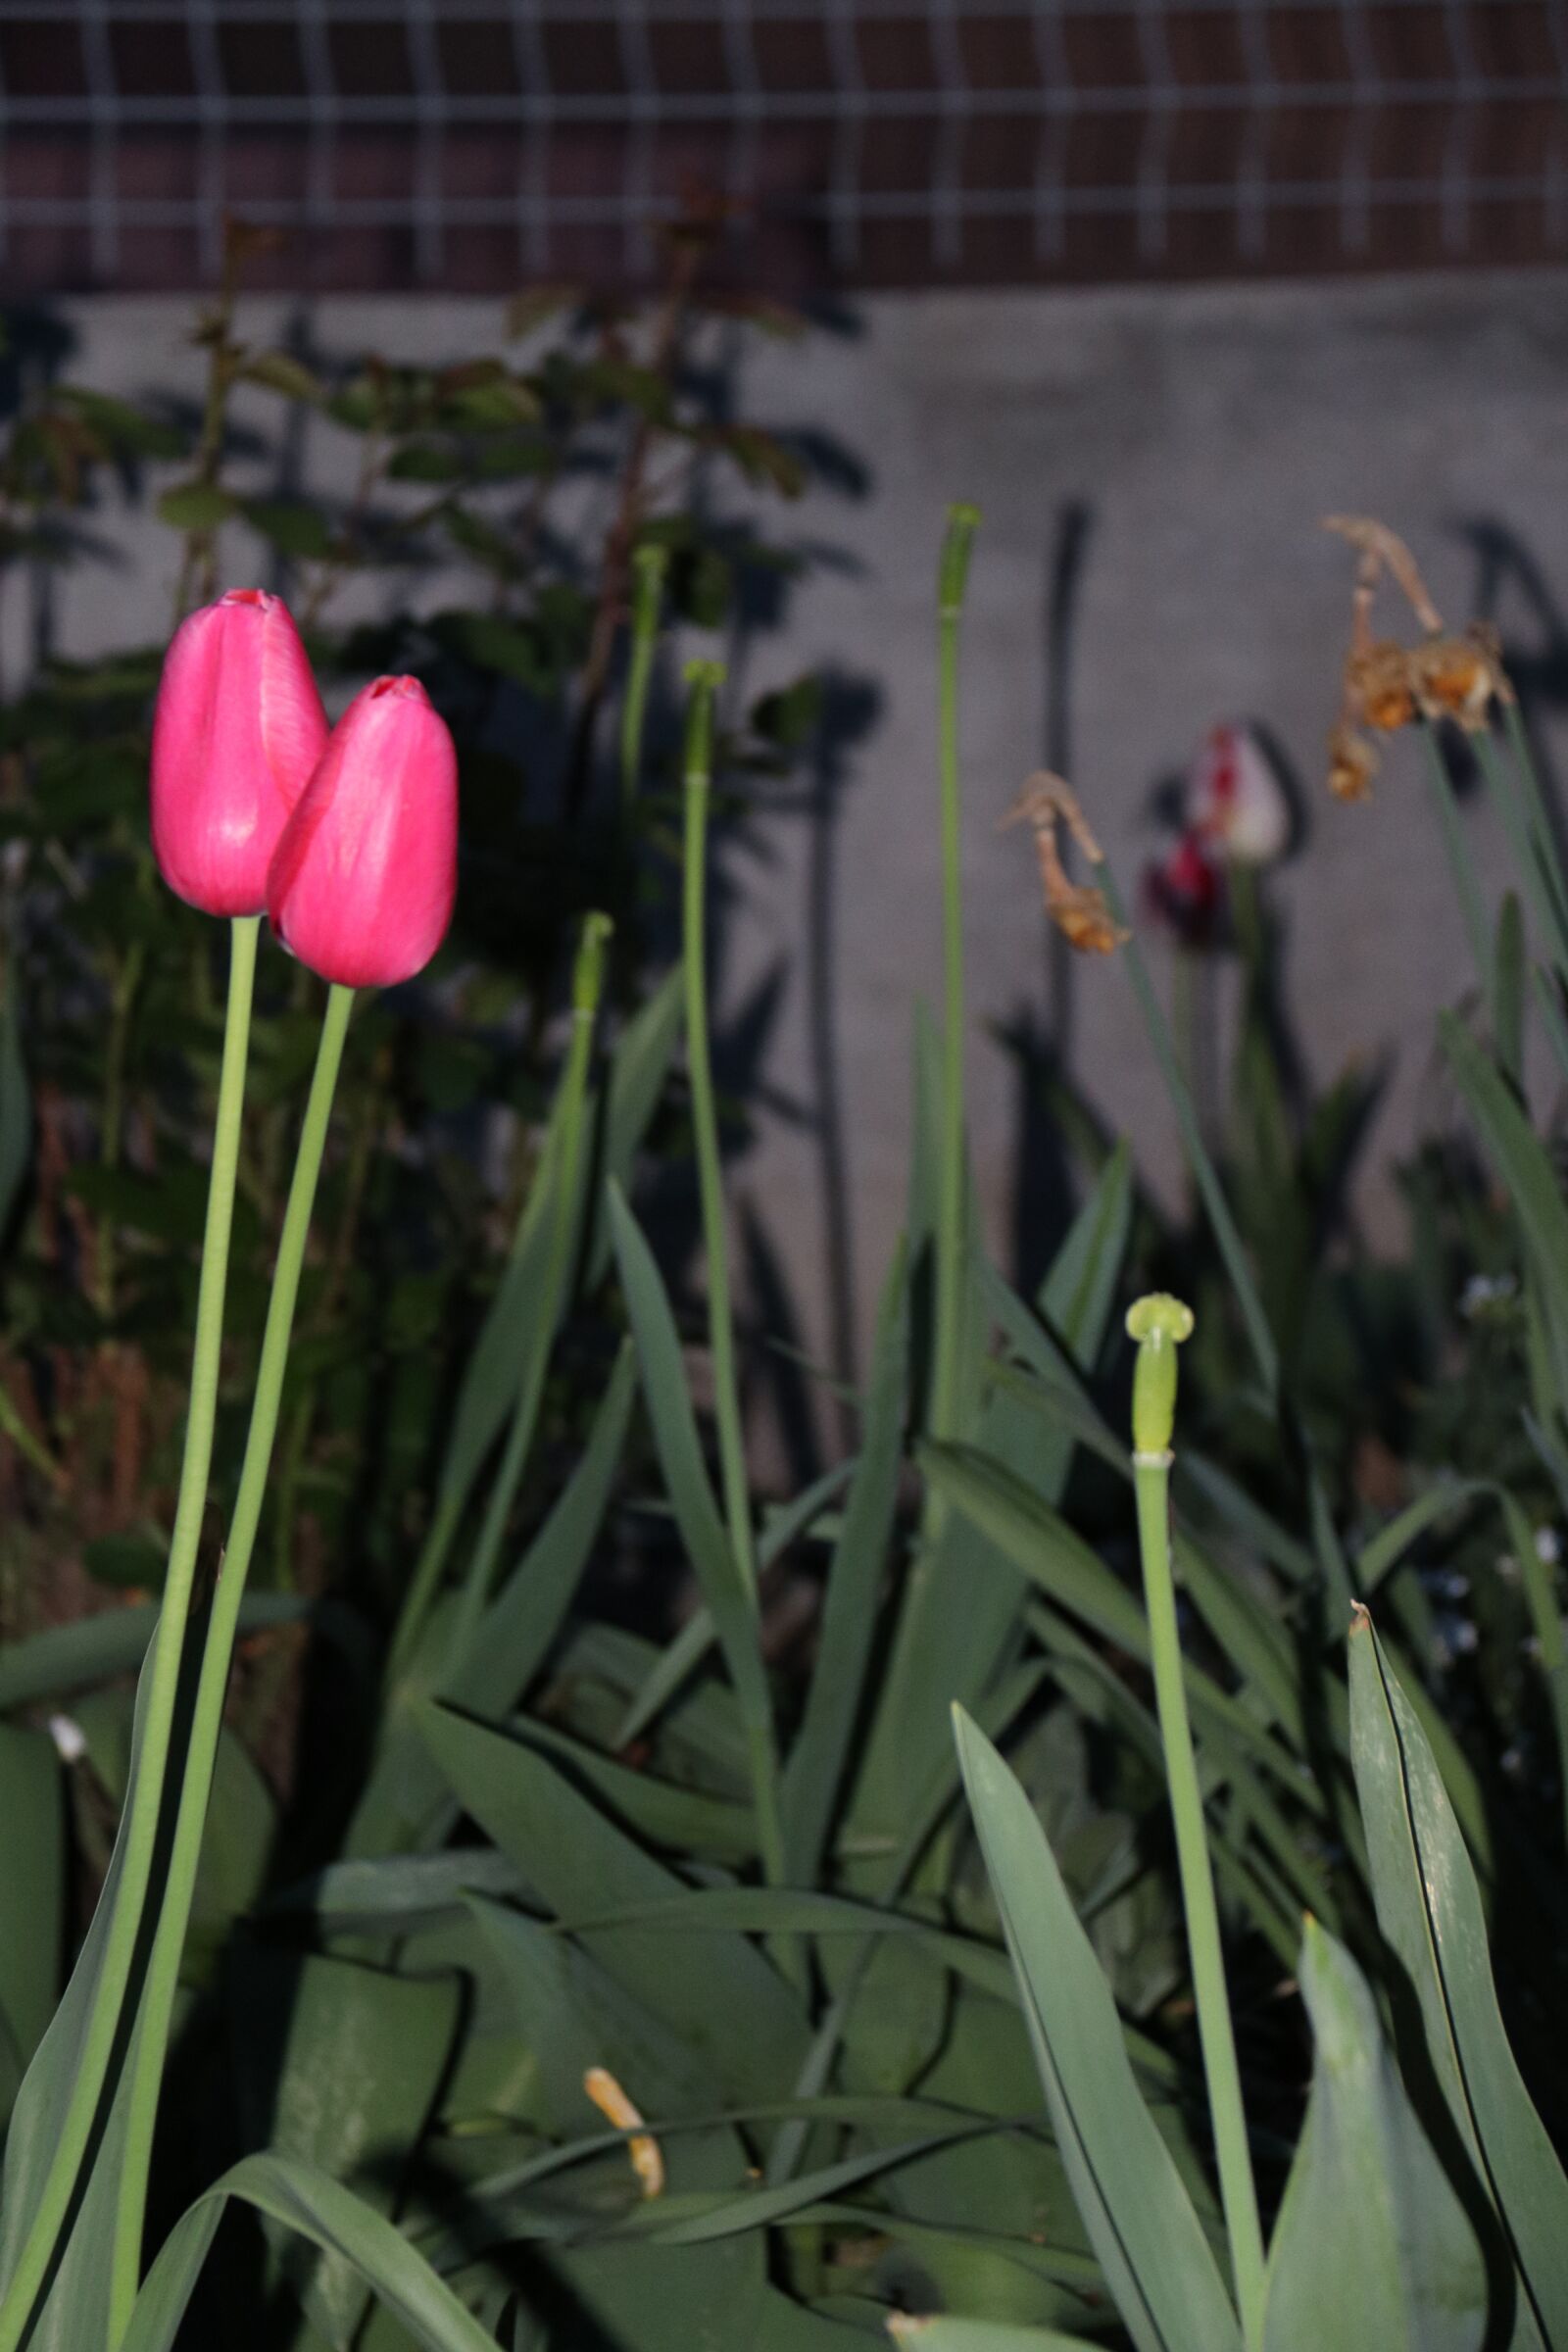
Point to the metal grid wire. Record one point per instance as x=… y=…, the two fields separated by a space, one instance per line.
x=474 y=143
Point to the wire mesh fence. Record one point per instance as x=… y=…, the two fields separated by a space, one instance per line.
x=477 y=143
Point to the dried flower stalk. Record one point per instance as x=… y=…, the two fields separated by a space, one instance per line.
x=1383 y=550
x=1079 y=911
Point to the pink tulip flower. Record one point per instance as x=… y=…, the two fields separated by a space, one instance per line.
x=364 y=875
x=237 y=730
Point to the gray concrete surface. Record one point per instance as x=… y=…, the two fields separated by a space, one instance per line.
x=1186 y=443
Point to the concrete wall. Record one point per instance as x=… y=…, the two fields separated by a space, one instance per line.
x=1153 y=468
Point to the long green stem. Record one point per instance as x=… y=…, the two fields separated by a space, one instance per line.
x=1159 y=1324
x=1329 y=1551
x=162 y=1972
x=1238 y=2191
x=1539 y=815
x=952 y=580
x=140 y=1828
x=705 y=678
x=1529 y=853
x=649 y=567
x=587 y=985
x=1466 y=888
x=1204 y=1173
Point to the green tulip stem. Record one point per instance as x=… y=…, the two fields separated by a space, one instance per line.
x=649 y=567
x=1466 y=888
x=1158 y=1324
x=207 y=1723
x=138 y=1833
x=953 y=579
x=1531 y=849
x=1543 y=830
x=704 y=678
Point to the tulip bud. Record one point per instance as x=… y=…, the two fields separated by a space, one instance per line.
x=1184 y=890
x=364 y=875
x=1235 y=799
x=237 y=730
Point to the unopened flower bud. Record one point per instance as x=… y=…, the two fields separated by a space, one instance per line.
x=363 y=881
x=237 y=730
x=1159 y=1323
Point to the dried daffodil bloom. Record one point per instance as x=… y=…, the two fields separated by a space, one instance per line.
x=1380 y=685
x=1079 y=912
x=642 y=2147
x=1352 y=764
x=1461 y=677
x=1377 y=688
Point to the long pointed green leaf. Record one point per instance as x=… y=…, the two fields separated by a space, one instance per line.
x=1053 y=1556
x=1524 y=1166
x=1429 y=1909
x=519 y=1625
x=326 y=2214
x=674 y=1427
x=1140 y=2220
x=814 y=1774
x=1406 y=2272
x=718 y=1989
x=511 y=1333
x=684 y=1653
x=64 y=1658
x=942 y=2334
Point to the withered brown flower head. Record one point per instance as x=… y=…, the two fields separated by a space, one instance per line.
x=1352 y=764
x=1461 y=677
x=1446 y=676
x=1079 y=911
x=1380 y=686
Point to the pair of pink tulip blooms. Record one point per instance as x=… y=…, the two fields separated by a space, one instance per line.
x=345 y=837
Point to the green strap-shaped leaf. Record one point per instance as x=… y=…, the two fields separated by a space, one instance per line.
x=1524 y=1166
x=1429 y=1908
x=674 y=1427
x=1371 y=2245
x=313 y=2047
x=815 y=1770
x=943 y=2334
x=32 y=1914
x=958 y=1605
x=717 y=1989
x=403 y=1802
x=511 y=1331
x=1075 y=1298
x=685 y=1651
x=326 y=2214
x=1139 y=2217
x=72 y=1657
x=522 y=1621
x=1072 y=1574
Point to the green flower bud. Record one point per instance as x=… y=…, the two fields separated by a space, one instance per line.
x=588 y=972
x=1159 y=1324
x=957 y=547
